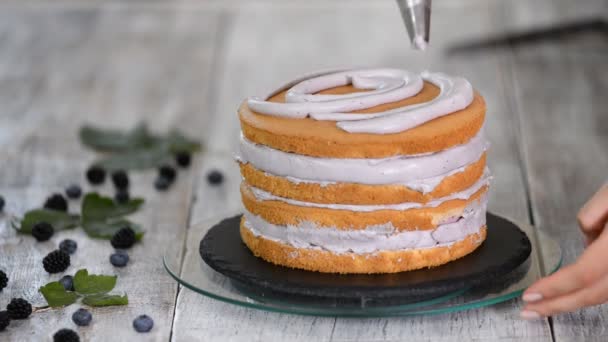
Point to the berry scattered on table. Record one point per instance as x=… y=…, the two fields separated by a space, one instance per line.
x=183 y=159
x=122 y=196
x=82 y=317
x=124 y=238
x=2 y=203
x=19 y=308
x=143 y=323
x=56 y=261
x=66 y=335
x=73 y=191
x=56 y=202
x=42 y=231
x=5 y=320
x=68 y=282
x=119 y=259
x=3 y=280
x=96 y=175
x=68 y=245
x=162 y=183
x=215 y=177
x=120 y=179
x=168 y=172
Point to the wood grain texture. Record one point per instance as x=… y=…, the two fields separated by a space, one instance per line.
x=561 y=102
x=111 y=68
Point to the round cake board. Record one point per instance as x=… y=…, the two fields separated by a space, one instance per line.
x=496 y=262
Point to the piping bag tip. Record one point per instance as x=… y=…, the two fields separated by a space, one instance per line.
x=416 y=15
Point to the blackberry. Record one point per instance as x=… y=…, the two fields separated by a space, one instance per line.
x=4 y=320
x=120 y=179
x=168 y=172
x=57 y=261
x=73 y=191
x=162 y=183
x=82 y=317
x=215 y=177
x=143 y=323
x=69 y=246
x=68 y=282
x=19 y=308
x=122 y=196
x=3 y=280
x=119 y=259
x=183 y=159
x=96 y=175
x=66 y=335
x=42 y=231
x=56 y=202
x=124 y=238
x=2 y=203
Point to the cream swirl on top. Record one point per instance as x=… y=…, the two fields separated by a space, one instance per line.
x=384 y=85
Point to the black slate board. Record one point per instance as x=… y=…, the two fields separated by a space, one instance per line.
x=495 y=263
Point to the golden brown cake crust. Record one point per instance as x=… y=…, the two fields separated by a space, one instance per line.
x=380 y=262
x=353 y=193
x=324 y=139
x=282 y=213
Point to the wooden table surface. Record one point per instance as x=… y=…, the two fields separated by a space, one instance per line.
x=188 y=64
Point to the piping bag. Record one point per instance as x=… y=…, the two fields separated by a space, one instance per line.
x=416 y=16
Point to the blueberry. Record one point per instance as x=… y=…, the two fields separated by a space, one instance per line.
x=162 y=183
x=82 y=317
x=69 y=246
x=42 y=231
x=168 y=172
x=96 y=175
x=120 y=179
x=215 y=177
x=122 y=196
x=143 y=323
x=119 y=259
x=66 y=335
x=68 y=282
x=183 y=159
x=2 y=203
x=73 y=191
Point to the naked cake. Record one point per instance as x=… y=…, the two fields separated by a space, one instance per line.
x=364 y=171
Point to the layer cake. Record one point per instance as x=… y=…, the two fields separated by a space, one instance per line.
x=364 y=171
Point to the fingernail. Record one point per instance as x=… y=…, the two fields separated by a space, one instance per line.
x=527 y=314
x=532 y=297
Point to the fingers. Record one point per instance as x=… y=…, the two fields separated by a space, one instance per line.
x=561 y=282
x=594 y=214
x=586 y=270
x=588 y=296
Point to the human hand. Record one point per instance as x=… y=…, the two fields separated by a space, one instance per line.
x=583 y=283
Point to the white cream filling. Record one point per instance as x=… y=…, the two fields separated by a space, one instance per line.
x=262 y=195
x=420 y=172
x=382 y=237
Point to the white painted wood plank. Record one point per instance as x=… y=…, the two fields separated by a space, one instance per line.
x=561 y=102
x=110 y=68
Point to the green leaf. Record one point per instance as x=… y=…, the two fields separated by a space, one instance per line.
x=56 y=295
x=137 y=159
x=105 y=229
x=179 y=143
x=105 y=300
x=58 y=219
x=116 y=140
x=99 y=208
x=93 y=284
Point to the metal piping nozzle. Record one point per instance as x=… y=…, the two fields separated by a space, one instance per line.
x=416 y=15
